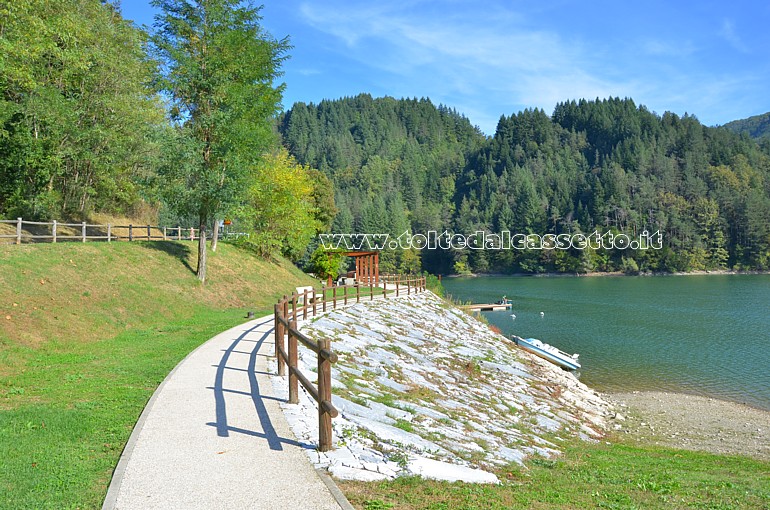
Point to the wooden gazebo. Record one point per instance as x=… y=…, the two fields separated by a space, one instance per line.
x=367 y=266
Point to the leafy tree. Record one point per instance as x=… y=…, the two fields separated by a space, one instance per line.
x=280 y=207
x=217 y=68
x=327 y=264
x=78 y=127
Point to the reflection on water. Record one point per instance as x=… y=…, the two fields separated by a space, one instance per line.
x=705 y=334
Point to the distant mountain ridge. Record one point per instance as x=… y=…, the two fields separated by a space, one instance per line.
x=757 y=126
x=407 y=165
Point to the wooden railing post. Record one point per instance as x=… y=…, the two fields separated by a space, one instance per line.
x=130 y=232
x=18 y=230
x=358 y=292
x=334 y=297
x=314 y=302
x=109 y=232
x=345 y=294
x=385 y=289
x=279 y=344
x=293 y=362
x=371 y=290
x=323 y=296
x=53 y=231
x=304 y=305
x=84 y=231
x=294 y=306
x=149 y=237
x=396 y=288
x=324 y=395
x=179 y=232
x=285 y=302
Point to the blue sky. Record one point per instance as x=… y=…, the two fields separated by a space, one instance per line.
x=497 y=57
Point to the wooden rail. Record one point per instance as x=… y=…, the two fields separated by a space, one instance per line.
x=54 y=231
x=289 y=309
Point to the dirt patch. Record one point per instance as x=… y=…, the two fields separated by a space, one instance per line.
x=693 y=423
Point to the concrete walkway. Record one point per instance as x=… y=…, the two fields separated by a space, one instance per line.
x=214 y=437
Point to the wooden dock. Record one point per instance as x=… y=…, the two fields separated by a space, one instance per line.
x=487 y=307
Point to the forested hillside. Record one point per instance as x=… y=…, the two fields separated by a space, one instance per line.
x=395 y=164
x=757 y=126
x=606 y=165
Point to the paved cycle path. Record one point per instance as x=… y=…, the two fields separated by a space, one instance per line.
x=213 y=436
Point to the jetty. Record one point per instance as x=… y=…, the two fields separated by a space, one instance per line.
x=503 y=304
x=487 y=307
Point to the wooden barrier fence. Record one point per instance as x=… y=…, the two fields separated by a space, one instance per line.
x=84 y=231
x=55 y=231
x=289 y=309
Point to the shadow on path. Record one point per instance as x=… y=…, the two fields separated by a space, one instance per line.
x=223 y=428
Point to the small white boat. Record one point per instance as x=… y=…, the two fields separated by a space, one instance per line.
x=548 y=352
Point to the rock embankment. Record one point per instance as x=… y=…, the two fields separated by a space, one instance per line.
x=424 y=388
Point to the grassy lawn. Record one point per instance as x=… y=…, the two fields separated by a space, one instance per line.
x=589 y=476
x=87 y=332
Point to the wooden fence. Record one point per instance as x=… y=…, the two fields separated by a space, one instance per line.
x=54 y=231
x=289 y=309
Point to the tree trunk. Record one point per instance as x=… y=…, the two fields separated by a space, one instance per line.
x=202 y=253
x=215 y=236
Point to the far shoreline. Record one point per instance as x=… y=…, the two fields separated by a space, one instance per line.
x=600 y=274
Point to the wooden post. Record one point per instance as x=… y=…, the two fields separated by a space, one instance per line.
x=293 y=362
x=334 y=297
x=323 y=296
x=314 y=302
x=371 y=290
x=18 y=230
x=149 y=237
x=345 y=294
x=358 y=293
x=371 y=268
x=285 y=302
x=279 y=344
x=408 y=286
x=294 y=306
x=385 y=289
x=192 y=234
x=53 y=230
x=304 y=305
x=84 y=231
x=396 y=288
x=377 y=268
x=130 y=232
x=324 y=395
x=164 y=233
x=109 y=232
x=179 y=232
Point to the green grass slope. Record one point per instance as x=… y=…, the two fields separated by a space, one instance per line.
x=87 y=332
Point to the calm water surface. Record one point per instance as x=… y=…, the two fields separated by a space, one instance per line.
x=708 y=335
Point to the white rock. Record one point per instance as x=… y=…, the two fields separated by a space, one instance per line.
x=438 y=470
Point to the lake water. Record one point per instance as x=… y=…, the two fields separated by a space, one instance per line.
x=707 y=335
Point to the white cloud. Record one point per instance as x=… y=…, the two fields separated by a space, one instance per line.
x=727 y=32
x=490 y=54
x=492 y=61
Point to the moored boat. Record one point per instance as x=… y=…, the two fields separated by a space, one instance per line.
x=548 y=352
